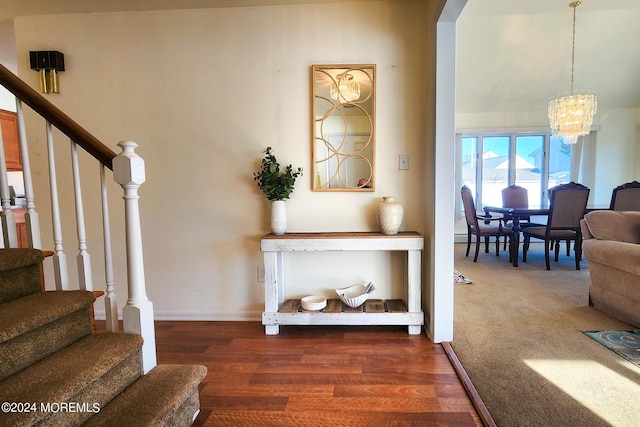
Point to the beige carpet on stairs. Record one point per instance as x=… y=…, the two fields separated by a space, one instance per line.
x=55 y=372
x=517 y=332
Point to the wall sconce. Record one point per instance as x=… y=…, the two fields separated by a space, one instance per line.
x=48 y=63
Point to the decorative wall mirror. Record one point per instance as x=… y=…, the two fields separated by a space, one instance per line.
x=343 y=123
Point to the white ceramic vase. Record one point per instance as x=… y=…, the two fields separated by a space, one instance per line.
x=389 y=215
x=278 y=217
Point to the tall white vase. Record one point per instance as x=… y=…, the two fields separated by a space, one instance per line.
x=278 y=217
x=389 y=215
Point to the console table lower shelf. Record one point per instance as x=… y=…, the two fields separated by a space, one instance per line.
x=372 y=312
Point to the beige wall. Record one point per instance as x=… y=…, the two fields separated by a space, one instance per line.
x=203 y=92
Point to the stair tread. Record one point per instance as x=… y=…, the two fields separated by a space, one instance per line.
x=21 y=273
x=32 y=311
x=156 y=396
x=64 y=374
x=14 y=258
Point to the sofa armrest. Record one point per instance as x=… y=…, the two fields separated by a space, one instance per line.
x=586 y=233
x=619 y=255
x=620 y=226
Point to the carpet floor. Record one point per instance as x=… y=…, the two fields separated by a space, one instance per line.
x=518 y=334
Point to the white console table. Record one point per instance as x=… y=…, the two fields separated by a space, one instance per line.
x=274 y=246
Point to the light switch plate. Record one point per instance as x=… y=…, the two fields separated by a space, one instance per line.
x=403 y=162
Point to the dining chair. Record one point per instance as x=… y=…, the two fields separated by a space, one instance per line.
x=567 y=207
x=626 y=197
x=480 y=225
x=515 y=196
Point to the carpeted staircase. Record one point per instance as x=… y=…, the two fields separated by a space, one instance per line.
x=54 y=371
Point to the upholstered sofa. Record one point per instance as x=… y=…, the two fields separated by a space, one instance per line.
x=612 y=249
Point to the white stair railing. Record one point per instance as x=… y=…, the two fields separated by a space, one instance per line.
x=128 y=171
x=61 y=277
x=110 y=300
x=10 y=238
x=31 y=218
x=84 y=260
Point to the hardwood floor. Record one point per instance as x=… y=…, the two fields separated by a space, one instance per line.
x=319 y=376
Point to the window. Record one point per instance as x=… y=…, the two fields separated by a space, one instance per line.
x=490 y=162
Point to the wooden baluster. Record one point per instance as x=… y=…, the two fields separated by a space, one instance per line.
x=61 y=276
x=110 y=300
x=10 y=239
x=128 y=171
x=31 y=218
x=84 y=260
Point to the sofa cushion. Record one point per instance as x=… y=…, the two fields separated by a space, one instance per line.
x=619 y=226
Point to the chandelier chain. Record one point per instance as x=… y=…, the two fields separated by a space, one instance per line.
x=574 y=5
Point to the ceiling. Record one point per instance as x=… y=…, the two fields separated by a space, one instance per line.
x=12 y=8
x=528 y=7
x=514 y=55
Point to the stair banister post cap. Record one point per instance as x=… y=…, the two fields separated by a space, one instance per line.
x=128 y=167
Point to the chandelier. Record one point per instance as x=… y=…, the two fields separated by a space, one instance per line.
x=347 y=89
x=571 y=115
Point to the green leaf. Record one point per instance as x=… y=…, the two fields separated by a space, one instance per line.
x=274 y=184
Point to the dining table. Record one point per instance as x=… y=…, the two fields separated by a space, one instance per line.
x=515 y=215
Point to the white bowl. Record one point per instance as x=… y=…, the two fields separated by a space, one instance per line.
x=353 y=296
x=313 y=303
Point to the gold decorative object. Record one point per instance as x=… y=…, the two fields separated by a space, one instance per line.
x=343 y=120
x=47 y=63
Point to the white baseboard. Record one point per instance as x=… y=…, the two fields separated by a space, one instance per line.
x=462 y=238
x=189 y=316
x=459 y=238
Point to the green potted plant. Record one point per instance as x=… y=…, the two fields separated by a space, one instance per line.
x=277 y=185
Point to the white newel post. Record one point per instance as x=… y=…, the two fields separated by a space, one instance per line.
x=128 y=171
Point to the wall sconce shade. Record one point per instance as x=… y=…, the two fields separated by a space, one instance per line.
x=47 y=60
x=48 y=63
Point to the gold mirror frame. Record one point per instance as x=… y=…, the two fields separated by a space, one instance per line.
x=343 y=127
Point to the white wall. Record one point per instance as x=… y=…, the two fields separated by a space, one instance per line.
x=203 y=92
x=618 y=148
